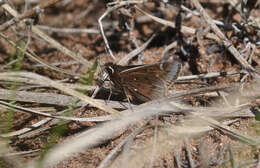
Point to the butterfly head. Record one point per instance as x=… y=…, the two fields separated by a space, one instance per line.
x=109 y=68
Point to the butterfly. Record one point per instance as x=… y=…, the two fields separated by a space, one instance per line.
x=143 y=82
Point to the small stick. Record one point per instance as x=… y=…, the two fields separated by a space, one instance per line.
x=165 y=55
x=208 y=75
x=258 y=163
x=53 y=99
x=202 y=90
x=68 y=30
x=19 y=153
x=184 y=29
x=232 y=159
x=65 y=63
x=34 y=112
x=135 y=52
x=189 y=155
x=176 y=156
x=155 y=141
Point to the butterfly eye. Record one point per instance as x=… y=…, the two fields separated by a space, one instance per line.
x=109 y=70
x=161 y=67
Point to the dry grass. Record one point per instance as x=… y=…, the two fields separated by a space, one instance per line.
x=49 y=54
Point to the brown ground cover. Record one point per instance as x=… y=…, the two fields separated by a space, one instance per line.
x=52 y=56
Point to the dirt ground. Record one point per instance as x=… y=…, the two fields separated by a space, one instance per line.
x=199 y=49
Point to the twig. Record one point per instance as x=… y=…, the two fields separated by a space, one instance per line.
x=208 y=75
x=165 y=55
x=68 y=30
x=128 y=57
x=34 y=112
x=34 y=132
x=19 y=153
x=177 y=158
x=25 y=78
x=231 y=156
x=52 y=99
x=232 y=132
x=154 y=145
x=202 y=90
x=58 y=63
x=203 y=153
x=217 y=22
x=248 y=163
x=184 y=29
x=258 y=162
x=189 y=155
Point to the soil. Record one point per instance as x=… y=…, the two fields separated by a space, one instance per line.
x=204 y=56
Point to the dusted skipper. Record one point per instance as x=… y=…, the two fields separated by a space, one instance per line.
x=143 y=82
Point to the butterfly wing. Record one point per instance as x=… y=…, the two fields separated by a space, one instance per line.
x=146 y=82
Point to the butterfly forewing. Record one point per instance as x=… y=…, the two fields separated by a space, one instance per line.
x=144 y=82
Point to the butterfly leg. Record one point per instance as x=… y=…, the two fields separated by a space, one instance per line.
x=110 y=94
x=129 y=97
x=166 y=87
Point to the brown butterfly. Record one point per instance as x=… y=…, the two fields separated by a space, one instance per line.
x=143 y=82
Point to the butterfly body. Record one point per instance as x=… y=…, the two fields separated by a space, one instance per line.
x=143 y=82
